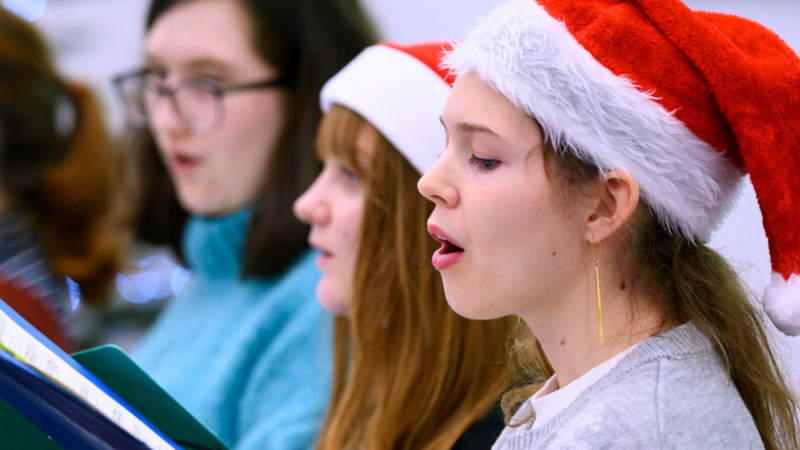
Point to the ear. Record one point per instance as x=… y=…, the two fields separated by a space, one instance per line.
x=615 y=204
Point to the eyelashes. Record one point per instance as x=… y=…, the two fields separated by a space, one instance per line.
x=348 y=174
x=483 y=164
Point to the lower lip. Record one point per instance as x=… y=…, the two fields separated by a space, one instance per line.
x=322 y=260
x=443 y=261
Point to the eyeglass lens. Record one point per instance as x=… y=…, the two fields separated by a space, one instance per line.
x=131 y=91
x=196 y=102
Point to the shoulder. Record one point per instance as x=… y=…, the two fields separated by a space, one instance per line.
x=303 y=269
x=676 y=387
x=294 y=291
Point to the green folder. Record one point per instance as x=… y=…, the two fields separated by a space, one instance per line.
x=113 y=367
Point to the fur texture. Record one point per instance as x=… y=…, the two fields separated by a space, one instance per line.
x=782 y=303
x=536 y=63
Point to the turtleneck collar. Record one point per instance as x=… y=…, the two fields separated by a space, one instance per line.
x=214 y=246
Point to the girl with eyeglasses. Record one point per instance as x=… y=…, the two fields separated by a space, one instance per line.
x=409 y=372
x=228 y=95
x=592 y=148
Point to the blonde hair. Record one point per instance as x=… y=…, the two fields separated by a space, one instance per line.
x=409 y=372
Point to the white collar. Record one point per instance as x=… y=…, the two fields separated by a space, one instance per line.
x=552 y=399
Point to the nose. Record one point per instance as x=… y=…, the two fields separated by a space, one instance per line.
x=436 y=184
x=311 y=207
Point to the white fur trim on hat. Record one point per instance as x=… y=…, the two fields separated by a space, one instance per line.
x=782 y=303
x=399 y=95
x=534 y=61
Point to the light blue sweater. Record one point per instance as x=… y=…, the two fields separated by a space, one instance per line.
x=250 y=358
x=670 y=392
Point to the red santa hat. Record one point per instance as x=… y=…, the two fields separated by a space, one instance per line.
x=401 y=91
x=686 y=101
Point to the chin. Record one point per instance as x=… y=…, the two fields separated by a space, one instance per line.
x=199 y=205
x=471 y=304
x=464 y=306
x=332 y=300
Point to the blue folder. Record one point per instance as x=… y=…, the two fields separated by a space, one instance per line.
x=64 y=418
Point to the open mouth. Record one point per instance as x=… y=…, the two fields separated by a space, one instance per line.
x=447 y=246
x=322 y=251
x=323 y=257
x=449 y=254
x=185 y=160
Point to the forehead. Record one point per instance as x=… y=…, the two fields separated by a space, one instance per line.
x=346 y=135
x=474 y=104
x=202 y=31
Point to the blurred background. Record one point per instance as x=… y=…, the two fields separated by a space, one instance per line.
x=93 y=40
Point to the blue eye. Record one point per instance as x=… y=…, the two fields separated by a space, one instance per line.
x=484 y=164
x=348 y=174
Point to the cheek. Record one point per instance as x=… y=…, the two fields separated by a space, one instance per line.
x=520 y=231
x=350 y=232
x=245 y=171
x=248 y=138
x=336 y=287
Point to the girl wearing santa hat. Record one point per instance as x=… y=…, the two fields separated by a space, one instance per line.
x=409 y=372
x=592 y=147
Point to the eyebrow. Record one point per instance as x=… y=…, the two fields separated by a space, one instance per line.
x=467 y=127
x=209 y=64
x=197 y=65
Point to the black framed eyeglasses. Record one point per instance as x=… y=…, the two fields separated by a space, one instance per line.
x=196 y=101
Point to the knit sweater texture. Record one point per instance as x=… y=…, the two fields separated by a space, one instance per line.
x=251 y=358
x=24 y=263
x=671 y=392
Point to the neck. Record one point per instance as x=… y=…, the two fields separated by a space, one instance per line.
x=214 y=246
x=569 y=332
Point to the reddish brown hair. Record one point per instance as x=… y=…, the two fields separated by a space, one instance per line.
x=409 y=372
x=57 y=164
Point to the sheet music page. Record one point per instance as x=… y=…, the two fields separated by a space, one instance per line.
x=17 y=341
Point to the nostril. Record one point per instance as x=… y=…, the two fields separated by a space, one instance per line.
x=316 y=214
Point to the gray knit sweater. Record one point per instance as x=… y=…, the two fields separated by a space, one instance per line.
x=671 y=392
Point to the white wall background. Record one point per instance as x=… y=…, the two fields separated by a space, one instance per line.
x=97 y=38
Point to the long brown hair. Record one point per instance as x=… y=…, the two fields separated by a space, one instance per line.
x=691 y=282
x=409 y=372
x=307 y=42
x=57 y=165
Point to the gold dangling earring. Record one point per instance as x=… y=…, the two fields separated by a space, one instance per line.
x=597 y=284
